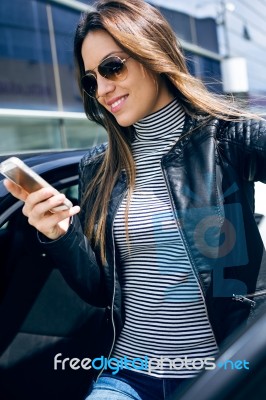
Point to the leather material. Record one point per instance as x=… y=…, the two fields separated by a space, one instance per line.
x=210 y=174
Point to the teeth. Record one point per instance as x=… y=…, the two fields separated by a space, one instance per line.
x=118 y=102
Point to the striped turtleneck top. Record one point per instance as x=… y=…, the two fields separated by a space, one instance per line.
x=165 y=314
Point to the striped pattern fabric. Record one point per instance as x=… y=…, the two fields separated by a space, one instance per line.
x=165 y=312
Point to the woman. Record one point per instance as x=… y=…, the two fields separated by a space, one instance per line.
x=170 y=244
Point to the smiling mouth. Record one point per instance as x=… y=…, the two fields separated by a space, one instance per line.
x=118 y=103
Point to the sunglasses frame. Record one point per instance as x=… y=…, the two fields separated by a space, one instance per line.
x=116 y=79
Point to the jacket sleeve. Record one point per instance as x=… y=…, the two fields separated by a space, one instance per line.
x=243 y=143
x=74 y=257
x=73 y=254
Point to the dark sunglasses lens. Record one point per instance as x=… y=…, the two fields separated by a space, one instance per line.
x=113 y=68
x=89 y=84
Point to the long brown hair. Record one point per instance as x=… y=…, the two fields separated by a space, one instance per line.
x=143 y=33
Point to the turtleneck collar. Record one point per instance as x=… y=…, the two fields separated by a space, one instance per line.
x=168 y=119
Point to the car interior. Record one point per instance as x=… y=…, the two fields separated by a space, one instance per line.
x=40 y=316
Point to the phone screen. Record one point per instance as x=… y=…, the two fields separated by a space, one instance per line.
x=23 y=179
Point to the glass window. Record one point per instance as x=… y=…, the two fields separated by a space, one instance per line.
x=65 y=22
x=26 y=133
x=29 y=134
x=26 y=72
x=210 y=73
x=83 y=133
x=206 y=32
x=180 y=23
x=206 y=69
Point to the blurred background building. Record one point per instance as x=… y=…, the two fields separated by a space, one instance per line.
x=241 y=36
x=40 y=105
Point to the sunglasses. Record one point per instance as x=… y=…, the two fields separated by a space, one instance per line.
x=112 y=68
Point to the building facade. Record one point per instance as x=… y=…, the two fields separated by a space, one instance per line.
x=40 y=104
x=241 y=34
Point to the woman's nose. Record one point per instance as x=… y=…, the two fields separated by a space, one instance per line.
x=104 y=86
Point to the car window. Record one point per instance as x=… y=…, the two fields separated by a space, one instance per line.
x=71 y=193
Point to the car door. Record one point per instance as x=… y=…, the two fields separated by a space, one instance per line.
x=40 y=315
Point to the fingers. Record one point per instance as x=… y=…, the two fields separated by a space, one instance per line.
x=15 y=190
x=37 y=209
x=40 y=202
x=53 y=225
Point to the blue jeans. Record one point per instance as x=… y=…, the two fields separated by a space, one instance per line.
x=132 y=385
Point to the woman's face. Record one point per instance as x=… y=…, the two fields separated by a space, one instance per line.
x=138 y=95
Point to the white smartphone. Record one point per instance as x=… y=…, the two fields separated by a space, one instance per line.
x=18 y=172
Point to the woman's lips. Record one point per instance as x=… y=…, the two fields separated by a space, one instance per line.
x=117 y=104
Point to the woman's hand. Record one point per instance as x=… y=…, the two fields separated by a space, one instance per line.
x=37 y=208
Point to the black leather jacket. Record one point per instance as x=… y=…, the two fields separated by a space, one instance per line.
x=210 y=174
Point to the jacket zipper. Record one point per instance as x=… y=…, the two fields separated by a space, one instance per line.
x=245 y=299
x=195 y=272
x=112 y=306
